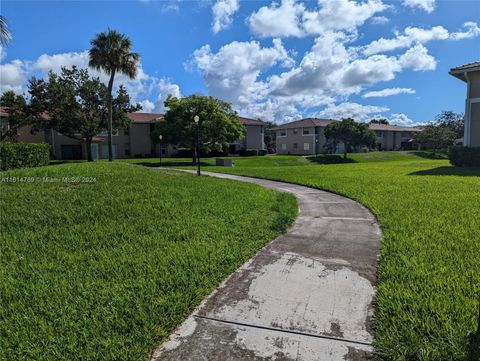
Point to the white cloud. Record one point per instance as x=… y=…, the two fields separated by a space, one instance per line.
x=379 y=20
x=278 y=20
x=418 y=59
x=147 y=106
x=400 y=119
x=388 y=92
x=471 y=31
x=13 y=76
x=165 y=88
x=292 y=18
x=413 y=35
x=231 y=73
x=427 y=5
x=356 y=111
x=223 y=11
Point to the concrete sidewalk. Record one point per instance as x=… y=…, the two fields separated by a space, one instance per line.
x=306 y=296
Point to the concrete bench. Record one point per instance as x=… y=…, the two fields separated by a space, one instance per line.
x=222 y=162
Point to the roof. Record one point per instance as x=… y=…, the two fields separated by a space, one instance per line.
x=145 y=117
x=459 y=71
x=248 y=121
x=307 y=122
x=392 y=127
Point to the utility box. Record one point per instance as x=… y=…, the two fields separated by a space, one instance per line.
x=222 y=162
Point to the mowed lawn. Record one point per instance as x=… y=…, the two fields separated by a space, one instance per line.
x=429 y=272
x=104 y=264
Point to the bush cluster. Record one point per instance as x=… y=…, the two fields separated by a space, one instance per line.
x=248 y=152
x=23 y=155
x=464 y=156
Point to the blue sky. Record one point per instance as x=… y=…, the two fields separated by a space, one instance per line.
x=272 y=60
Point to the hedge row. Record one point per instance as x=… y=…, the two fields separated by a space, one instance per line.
x=464 y=156
x=252 y=152
x=23 y=155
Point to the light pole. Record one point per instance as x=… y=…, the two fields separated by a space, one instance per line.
x=160 y=137
x=196 y=119
x=316 y=145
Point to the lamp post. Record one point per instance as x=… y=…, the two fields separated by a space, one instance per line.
x=316 y=146
x=196 y=119
x=160 y=137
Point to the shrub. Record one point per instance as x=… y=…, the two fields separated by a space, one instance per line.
x=183 y=153
x=248 y=152
x=262 y=152
x=464 y=156
x=23 y=155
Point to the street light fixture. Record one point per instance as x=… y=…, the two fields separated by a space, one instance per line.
x=160 y=137
x=196 y=119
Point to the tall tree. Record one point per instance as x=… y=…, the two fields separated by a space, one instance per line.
x=435 y=137
x=379 y=121
x=76 y=105
x=351 y=134
x=111 y=52
x=451 y=120
x=16 y=108
x=219 y=123
x=5 y=34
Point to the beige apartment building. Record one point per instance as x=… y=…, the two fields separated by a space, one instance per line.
x=303 y=136
x=132 y=142
x=470 y=74
x=306 y=136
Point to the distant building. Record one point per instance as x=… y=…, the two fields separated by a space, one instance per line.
x=470 y=73
x=306 y=136
x=132 y=142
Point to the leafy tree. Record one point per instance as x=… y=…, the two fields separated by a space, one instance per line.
x=76 y=105
x=451 y=120
x=219 y=123
x=5 y=34
x=351 y=134
x=435 y=137
x=16 y=108
x=270 y=136
x=379 y=121
x=111 y=52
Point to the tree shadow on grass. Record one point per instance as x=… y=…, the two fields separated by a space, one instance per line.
x=458 y=171
x=440 y=154
x=474 y=347
x=330 y=159
x=171 y=164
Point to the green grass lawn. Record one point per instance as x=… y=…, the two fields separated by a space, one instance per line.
x=429 y=272
x=105 y=269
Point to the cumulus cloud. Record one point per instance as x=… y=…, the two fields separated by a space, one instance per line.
x=414 y=35
x=427 y=5
x=356 y=111
x=400 y=119
x=232 y=72
x=388 y=92
x=14 y=76
x=222 y=12
x=418 y=59
x=292 y=18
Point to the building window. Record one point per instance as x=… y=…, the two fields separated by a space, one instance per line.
x=127 y=149
x=282 y=133
x=306 y=146
x=295 y=145
x=284 y=147
x=306 y=131
x=295 y=131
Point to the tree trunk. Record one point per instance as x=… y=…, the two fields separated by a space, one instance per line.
x=110 y=115
x=345 y=149
x=88 y=143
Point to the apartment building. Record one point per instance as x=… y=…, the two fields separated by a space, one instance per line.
x=470 y=74
x=395 y=137
x=303 y=136
x=132 y=142
x=306 y=136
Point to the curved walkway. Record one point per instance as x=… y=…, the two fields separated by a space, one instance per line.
x=306 y=296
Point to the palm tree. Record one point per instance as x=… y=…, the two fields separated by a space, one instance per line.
x=111 y=52
x=5 y=35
